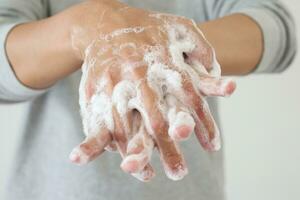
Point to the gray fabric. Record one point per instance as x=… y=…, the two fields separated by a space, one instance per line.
x=53 y=127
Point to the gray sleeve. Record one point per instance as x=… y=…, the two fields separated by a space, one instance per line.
x=276 y=23
x=12 y=13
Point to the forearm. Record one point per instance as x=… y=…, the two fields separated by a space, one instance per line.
x=238 y=43
x=42 y=52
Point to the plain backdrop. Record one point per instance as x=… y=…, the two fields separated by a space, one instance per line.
x=261 y=129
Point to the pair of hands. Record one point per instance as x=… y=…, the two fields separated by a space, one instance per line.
x=144 y=82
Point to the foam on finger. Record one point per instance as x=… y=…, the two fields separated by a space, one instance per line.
x=90 y=148
x=181 y=124
x=139 y=150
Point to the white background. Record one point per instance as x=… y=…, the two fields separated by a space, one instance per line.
x=261 y=130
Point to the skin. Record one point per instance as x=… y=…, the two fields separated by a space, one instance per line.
x=61 y=53
x=107 y=62
x=55 y=53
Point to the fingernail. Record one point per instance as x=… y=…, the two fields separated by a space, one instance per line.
x=230 y=87
x=130 y=166
x=78 y=157
x=182 y=127
x=183 y=132
x=177 y=173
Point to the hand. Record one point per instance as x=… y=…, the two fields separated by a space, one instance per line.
x=144 y=79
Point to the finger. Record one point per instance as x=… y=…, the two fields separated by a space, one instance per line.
x=147 y=173
x=188 y=45
x=124 y=91
x=120 y=136
x=165 y=81
x=139 y=151
x=201 y=58
x=172 y=159
x=90 y=148
x=203 y=54
x=212 y=86
x=206 y=129
x=181 y=123
x=97 y=126
x=209 y=84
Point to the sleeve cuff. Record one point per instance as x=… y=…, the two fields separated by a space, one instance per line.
x=10 y=87
x=272 y=36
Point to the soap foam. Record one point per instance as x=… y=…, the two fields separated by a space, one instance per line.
x=161 y=77
x=122 y=31
x=97 y=112
x=143 y=157
x=178 y=174
x=122 y=93
x=179 y=119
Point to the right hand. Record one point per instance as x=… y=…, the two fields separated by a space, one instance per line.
x=144 y=79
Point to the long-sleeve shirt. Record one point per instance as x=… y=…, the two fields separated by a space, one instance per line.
x=41 y=170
